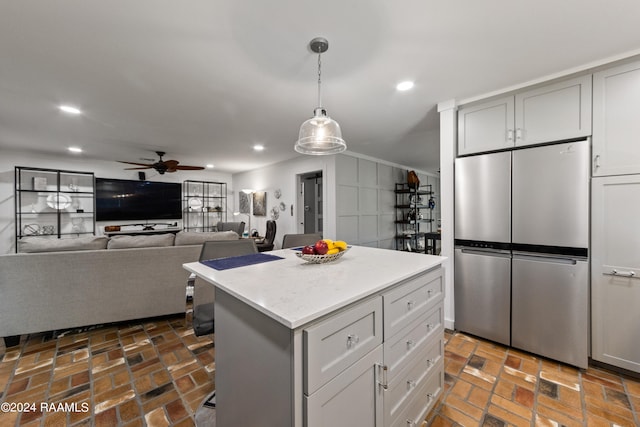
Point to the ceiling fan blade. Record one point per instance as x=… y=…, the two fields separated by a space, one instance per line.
x=138 y=164
x=162 y=166
x=190 y=168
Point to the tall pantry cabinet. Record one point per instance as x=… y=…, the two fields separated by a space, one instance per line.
x=615 y=204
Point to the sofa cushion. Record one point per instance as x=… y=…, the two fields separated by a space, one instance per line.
x=194 y=238
x=40 y=244
x=150 y=241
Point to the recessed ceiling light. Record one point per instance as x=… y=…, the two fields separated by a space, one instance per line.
x=75 y=149
x=209 y=166
x=406 y=85
x=258 y=147
x=70 y=109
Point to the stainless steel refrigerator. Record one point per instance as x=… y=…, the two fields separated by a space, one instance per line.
x=547 y=217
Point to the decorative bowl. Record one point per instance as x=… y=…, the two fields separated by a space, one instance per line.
x=321 y=259
x=58 y=201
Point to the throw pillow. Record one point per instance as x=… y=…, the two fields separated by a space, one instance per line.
x=41 y=244
x=150 y=241
x=194 y=238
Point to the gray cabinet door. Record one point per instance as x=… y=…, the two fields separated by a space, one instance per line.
x=616 y=102
x=554 y=112
x=486 y=127
x=615 y=271
x=353 y=398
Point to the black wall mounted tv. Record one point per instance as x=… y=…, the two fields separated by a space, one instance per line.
x=121 y=199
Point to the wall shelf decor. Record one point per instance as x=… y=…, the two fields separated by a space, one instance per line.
x=53 y=203
x=204 y=204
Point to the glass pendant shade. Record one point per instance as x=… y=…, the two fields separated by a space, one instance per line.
x=320 y=135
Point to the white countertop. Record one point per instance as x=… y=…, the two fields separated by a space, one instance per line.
x=295 y=293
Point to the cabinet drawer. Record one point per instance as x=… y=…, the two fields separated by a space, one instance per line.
x=402 y=389
x=334 y=344
x=410 y=300
x=423 y=400
x=412 y=340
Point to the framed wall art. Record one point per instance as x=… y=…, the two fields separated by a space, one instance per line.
x=260 y=203
x=243 y=203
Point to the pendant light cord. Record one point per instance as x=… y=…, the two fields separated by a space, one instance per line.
x=319 y=81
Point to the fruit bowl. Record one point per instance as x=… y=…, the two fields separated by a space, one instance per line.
x=321 y=259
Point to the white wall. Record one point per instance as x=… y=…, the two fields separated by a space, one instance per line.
x=373 y=175
x=282 y=176
x=366 y=199
x=102 y=169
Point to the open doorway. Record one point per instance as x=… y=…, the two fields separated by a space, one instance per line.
x=310 y=205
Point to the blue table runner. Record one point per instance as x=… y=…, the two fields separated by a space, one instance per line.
x=239 y=261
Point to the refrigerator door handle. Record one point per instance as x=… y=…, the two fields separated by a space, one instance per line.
x=616 y=272
x=546 y=258
x=487 y=252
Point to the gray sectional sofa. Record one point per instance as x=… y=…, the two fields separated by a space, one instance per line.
x=57 y=284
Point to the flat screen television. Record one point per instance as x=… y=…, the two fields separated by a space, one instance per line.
x=127 y=200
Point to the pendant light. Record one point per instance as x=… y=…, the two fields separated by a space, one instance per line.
x=320 y=134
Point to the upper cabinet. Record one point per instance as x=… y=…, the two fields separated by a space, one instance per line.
x=548 y=113
x=486 y=127
x=616 y=102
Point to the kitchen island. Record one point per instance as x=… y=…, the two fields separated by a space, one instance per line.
x=358 y=341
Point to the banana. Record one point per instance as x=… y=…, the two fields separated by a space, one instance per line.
x=340 y=245
x=330 y=243
x=333 y=251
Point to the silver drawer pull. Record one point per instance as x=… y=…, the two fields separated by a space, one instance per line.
x=382 y=376
x=352 y=339
x=630 y=273
x=410 y=305
x=411 y=384
x=429 y=291
x=410 y=344
x=429 y=326
x=429 y=396
x=429 y=362
x=410 y=423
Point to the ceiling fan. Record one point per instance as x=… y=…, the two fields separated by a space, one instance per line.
x=163 y=166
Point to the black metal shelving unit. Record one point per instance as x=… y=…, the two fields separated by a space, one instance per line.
x=204 y=204
x=53 y=203
x=414 y=217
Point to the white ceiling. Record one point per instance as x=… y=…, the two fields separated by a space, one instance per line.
x=205 y=80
